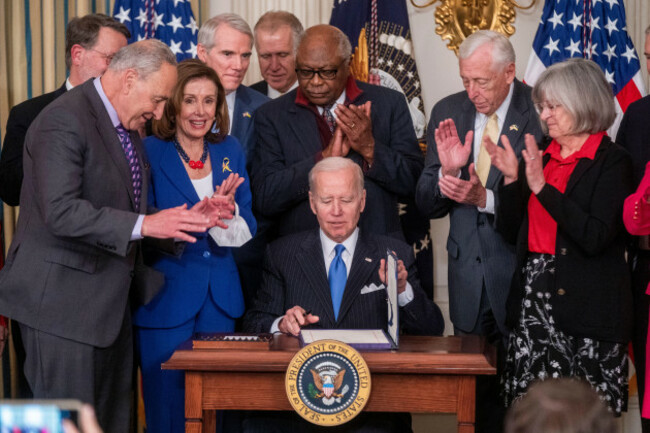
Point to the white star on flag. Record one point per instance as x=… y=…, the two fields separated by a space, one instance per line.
x=123 y=15
x=175 y=23
x=552 y=46
x=175 y=47
x=171 y=21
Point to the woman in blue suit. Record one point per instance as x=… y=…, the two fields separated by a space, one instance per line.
x=202 y=292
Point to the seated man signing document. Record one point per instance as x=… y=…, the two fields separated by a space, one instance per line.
x=333 y=278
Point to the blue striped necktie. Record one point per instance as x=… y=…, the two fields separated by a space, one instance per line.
x=337 y=277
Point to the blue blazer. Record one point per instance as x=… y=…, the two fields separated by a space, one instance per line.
x=204 y=266
x=246 y=102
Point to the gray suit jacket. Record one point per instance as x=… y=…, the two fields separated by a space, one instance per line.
x=71 y=263
x=477 y=253
x=294 y=274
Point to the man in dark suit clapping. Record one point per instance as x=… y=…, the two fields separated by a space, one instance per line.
x=333 y=278
x=458 y=180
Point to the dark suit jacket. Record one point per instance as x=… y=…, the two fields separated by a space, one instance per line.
x=478 y=255
x=294 y=274
x=634 y=135
x=289 y=144
x=246 y=102
x=11 y=162
x=596 y=301
x=71 y=263
x=260 y=86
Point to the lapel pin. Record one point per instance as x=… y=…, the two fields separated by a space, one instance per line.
x=368 y=259
x=225 y=165
x=514 y=128
x=246 y=114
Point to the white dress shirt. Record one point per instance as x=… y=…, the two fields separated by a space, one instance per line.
x=329 y=253
x=272 y=93
x=231 y=98
x=480 y=122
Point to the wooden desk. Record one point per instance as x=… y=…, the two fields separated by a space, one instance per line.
x=427 y=374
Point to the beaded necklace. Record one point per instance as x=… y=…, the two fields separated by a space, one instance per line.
x=196 y=165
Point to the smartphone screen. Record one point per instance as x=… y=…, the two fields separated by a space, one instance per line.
x=36 y=416
x=30 y=418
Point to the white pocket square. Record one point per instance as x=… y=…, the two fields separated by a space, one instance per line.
x=372 y=288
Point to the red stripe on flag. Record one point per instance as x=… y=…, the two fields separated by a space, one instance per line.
x=628 y=94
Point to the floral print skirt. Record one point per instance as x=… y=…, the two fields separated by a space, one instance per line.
x=537 y=350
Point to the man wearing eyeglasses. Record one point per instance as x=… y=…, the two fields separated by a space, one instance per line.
x=91 y=42
x=458 y=180
x=331 y=114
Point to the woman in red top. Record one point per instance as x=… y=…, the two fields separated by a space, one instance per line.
x=569 y=307
x=636 y=216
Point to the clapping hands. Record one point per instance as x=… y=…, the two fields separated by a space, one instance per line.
x=221 y=205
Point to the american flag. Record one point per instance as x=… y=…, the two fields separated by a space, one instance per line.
x=380 y=35
x=170 y=21
x=592 y=29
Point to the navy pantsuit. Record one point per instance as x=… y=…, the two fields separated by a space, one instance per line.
x=202 y=292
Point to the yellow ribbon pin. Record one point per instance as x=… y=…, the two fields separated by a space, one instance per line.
x=225 y=165
x=514 y=128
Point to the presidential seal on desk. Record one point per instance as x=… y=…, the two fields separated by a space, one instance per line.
x=328 y=383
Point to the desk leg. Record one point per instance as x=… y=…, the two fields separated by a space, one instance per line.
x=194 y=421
x=465 y=411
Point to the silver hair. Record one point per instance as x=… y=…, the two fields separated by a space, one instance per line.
x=334 y=164
x=146 y=57
x=503 y=53
x=273 y=20
x=209 y=28
x=580 y=86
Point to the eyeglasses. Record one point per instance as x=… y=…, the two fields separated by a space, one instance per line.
x=324 y=74
x=107 y=57
x=551 y=107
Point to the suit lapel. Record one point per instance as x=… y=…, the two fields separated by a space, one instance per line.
x=171 y=165
x=360 y=273
x=303 y=125
x=514 y=126
x=110 y=140
x=241 y=123
x=313 y=267
x=466 y=124
x=583 y=165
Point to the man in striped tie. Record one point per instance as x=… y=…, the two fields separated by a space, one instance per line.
x=75 y=268
x=332 y=277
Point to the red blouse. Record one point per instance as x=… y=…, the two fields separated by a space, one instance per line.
x=542 y=228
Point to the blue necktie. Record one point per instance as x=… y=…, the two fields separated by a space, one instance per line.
x=134 y=163
x=337 y=277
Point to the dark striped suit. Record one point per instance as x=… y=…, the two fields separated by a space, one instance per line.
x=294 y=274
